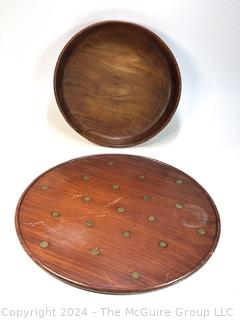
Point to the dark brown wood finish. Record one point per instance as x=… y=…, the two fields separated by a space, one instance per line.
x=117 y=83
x=117 y=223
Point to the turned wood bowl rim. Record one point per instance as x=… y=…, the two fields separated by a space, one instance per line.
x=88 y=288
x=171 y=57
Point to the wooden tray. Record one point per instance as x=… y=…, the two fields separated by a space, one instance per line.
x=117 y=223
x=117 y=83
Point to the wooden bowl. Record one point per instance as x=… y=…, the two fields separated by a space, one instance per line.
x=117 y=223
x=117 y=83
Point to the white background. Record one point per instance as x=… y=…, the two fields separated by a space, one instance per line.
x=203 y=138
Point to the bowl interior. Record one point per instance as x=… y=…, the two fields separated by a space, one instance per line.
x=117 y=83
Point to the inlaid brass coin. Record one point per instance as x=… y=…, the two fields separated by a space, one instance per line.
x=89 y=223
x=135 y=275
x=87 y=199
x=43 y=244
x=44 y=186
x=179 y=181
x=121 y=209
x=55 y=214
x=126 y=234
x=151 y=218
x=179 y=205
x=95 y=251
x=146 y=197
x=201 y=231
x=163 y=244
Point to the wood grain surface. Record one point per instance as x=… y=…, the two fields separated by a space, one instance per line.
x=117 y=223
x=117 y=83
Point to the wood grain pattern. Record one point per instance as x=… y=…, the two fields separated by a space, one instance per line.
x=117 y=83
x=117 y=223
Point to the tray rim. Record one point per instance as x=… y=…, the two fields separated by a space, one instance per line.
x=144 y=29
x=109 y=291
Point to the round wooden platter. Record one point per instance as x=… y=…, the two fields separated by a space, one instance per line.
x=117 y=83
x=117 y=223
